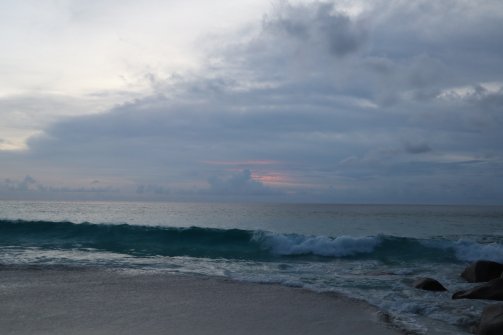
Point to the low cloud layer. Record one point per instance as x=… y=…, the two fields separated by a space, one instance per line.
x=399 y=102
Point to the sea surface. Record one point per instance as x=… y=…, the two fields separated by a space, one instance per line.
x=370 y=252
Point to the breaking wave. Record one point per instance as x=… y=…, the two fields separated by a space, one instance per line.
x=236 y=243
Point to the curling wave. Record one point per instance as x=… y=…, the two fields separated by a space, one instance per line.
x=236 y=243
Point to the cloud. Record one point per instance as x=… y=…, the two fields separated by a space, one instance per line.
x=26 y=184
x=30 y=188
x=152 y=189
x=320 y=26
x=240 y=183
x=417 y=148
x=341 y=106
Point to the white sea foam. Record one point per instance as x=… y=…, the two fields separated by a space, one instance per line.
x=292 y=244
x=472 y=251
x=466 y=250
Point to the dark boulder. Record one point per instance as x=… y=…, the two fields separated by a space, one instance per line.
x=429 y=284
x=492 y=290
x=482 y=271
x=491 y=321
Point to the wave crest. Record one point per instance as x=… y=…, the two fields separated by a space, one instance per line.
x=293 y=244
x=472 y=251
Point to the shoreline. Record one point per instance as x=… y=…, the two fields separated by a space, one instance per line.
x=60 y=300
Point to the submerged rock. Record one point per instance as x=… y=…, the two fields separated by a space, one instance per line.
x=491 y=321
x=492 y=290
x=429 y=284
x=482 y=271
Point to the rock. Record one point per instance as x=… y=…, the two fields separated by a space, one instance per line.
x=429 y=284
x=481 y=271
x=491 y=321
x=492 y=290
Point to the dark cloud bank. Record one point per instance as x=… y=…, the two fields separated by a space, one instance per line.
x=402 y=103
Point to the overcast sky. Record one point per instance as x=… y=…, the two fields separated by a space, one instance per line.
x=246 y=100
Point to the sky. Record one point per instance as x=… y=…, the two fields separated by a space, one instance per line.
x=252 y=100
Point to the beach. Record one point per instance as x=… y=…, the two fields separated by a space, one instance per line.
x=180 y=268
x=65 y=300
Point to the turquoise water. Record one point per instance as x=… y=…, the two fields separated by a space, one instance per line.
x=368 y=252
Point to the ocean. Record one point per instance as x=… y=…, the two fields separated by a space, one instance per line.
x=369 y=252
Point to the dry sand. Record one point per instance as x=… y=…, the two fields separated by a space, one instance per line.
x=76 y=301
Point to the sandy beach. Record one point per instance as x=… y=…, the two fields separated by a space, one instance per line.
x=95 y=301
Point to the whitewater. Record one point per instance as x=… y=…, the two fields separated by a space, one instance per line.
x=367 y=252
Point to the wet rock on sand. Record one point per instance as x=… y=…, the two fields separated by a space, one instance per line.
x=481 y=271
x=492 y=290
x=491 y=322
x=429 y=284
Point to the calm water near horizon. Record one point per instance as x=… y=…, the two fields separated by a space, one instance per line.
x=372 y=252
x=398 y=220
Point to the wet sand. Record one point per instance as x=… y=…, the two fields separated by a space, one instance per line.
x=93 y=301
